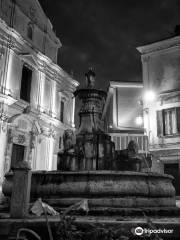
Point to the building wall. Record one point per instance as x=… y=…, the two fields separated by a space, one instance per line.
x=34 y=125
x=21 y=14
x=128 y=106
x=161 y=74
x=123 y=106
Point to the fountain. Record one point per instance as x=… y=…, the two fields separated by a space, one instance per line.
x=94 y=149
x=89 y=168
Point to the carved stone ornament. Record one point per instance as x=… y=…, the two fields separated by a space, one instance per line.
x=32 y=141
x=11 y=44
x=68 y=139
x=1 y=58
x=32 y=13
x=90 y=78
x=3 y=116
x=51 y=132
x=4 y=127
x=21 y=139
x=145 y=58
x=27 y=110
x=10 y=137
x=42 y=131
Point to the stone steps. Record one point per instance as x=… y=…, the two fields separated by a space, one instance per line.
x=125 y=212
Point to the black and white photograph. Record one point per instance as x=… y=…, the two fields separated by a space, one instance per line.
x=89 y=119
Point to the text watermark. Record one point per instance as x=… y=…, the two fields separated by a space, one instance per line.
x=147 y=231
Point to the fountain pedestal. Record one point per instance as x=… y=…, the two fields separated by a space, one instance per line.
x=102 y=189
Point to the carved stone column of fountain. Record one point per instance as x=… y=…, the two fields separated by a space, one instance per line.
x=97 y=147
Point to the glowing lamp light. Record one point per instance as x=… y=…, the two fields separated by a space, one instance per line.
x=149 y=96
x=139 y=120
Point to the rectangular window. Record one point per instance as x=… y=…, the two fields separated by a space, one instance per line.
x=170 y=125
x=26 y=84
x=62 y=111
x=168 y=122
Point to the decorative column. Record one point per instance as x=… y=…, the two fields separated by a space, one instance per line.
x=40 y=89
x=53 y=102
x=115 y=123
x=2 y=60
x=3 y=136
x=51 y=135
x=7 y=63
x=52 y=97
x=146 y=105
x=145 y=67
x=32 y=144
x=73 y=111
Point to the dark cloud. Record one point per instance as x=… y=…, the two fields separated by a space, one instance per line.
x=105 y=33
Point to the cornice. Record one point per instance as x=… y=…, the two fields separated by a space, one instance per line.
x=13 y=40
x=116 y=84
x=170 y=93
x=55 y=122
x=160 y=45
x=7 y=99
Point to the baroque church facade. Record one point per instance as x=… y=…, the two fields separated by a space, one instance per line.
x=36 y=95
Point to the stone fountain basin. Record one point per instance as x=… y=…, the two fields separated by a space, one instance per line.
x=101 y=188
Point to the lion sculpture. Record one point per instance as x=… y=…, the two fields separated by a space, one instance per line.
x=69 y=139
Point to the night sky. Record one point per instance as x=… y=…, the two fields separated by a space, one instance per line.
x=104 y=34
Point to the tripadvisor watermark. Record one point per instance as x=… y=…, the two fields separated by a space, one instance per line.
x=147 y=231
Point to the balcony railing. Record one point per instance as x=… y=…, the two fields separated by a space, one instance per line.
x=121 y=141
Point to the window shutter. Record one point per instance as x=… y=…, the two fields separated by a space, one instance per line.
x=160 y=123
x=178 y=119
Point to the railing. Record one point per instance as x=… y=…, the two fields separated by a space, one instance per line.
x=121 y=141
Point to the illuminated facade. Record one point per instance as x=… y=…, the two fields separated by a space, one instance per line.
x=161 y=76
x=36 y=95
x=123 y=114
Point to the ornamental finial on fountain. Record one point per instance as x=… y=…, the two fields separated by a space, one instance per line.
x=90 y=78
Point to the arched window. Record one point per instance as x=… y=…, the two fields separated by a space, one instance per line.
x=30 y=31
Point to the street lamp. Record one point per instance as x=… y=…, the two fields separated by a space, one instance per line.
x=139 y=120
x=149 y=96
